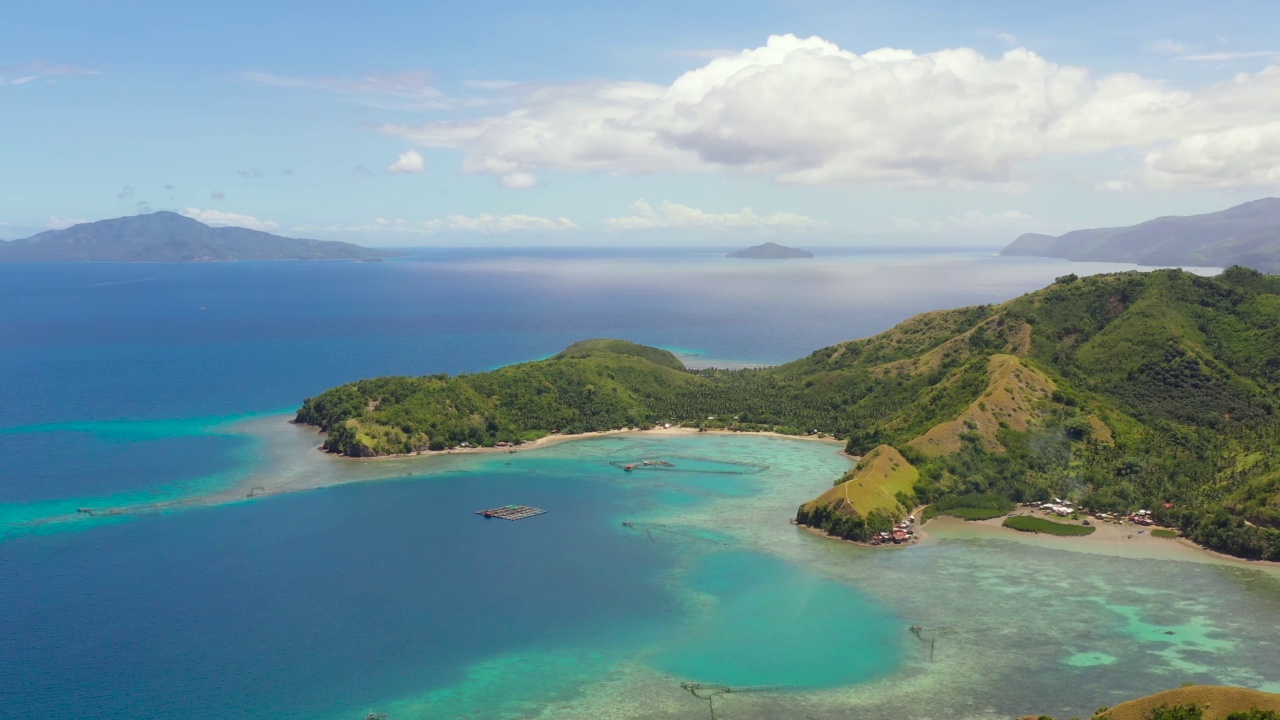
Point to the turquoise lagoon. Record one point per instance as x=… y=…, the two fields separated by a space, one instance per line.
x=374 y=587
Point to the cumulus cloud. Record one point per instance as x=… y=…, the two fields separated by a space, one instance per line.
x=217 y=195
x=230 y=219
x=1225 y=158
x=968 y=223
x=39 y=71
x=673 y=215
x=409 y=161
x=805 y=111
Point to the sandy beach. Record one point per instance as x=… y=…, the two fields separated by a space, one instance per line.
x=1125 y=539
x=550 y=440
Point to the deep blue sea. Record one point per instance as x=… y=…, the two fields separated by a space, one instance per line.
x=120 y=381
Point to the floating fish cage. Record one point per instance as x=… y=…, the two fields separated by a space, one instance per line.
x=511 y=512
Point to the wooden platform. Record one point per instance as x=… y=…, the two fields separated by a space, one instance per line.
x=511 y=512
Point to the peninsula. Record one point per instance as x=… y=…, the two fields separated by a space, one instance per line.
x=770 y=251
x=1247 y=235
x=1131 y=390
x=170 y=237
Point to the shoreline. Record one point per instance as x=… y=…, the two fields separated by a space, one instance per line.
x=921 y=537
x=293 y=465
x=550 y=440
x=1124 y=540
x=284 y=470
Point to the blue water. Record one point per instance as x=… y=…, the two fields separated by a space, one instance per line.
x=298 y=604
x=119 y=380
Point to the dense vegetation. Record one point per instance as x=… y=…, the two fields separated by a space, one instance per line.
x=1029 y=524
x=974 y=506
x=1133 y=390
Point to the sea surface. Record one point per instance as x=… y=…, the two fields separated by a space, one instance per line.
x=169 y=386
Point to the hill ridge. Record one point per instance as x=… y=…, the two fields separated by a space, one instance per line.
x=1246 y=234
x=166 y=236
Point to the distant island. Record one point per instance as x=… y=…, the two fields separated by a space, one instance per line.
x=170 y=237
x=1133 y=391
x=1246 y=235
x=770 y=251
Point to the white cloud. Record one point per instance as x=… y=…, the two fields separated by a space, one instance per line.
x=39 y=70
x=1225 y=158
x=1007 y=39
x=409 y=161
x=673 y=215
x=60 y=223
x=519 y=180
x=486 y=223
x=805 y=111
x=1233 y=56
x=1117 y=185
x=409 y=90
x=482 y=223
x=1166 y=47
x=230 y=219
x=968 y=223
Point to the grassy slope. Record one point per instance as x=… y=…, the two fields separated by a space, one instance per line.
x=1218 y=702
x=874 y=483
x=1014 y=397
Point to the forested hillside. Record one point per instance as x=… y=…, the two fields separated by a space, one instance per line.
x=1121 y=391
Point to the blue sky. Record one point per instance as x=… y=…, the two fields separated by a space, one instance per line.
x=669 y=122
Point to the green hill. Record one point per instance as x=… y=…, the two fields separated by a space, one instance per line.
x=866 y=500
x=1125 y=391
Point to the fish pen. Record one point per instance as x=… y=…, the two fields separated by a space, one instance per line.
x=511 y=512
x=690 y=464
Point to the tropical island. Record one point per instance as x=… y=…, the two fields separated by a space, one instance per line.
x=170 y=237
x=1247 y=235
x=1124 y=391
x=769 y=251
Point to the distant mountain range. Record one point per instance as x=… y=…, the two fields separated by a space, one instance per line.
x=170 y=237
x=1247 y=235
x=770 y=251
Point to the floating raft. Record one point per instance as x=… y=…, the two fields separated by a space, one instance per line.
x=511 y=512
